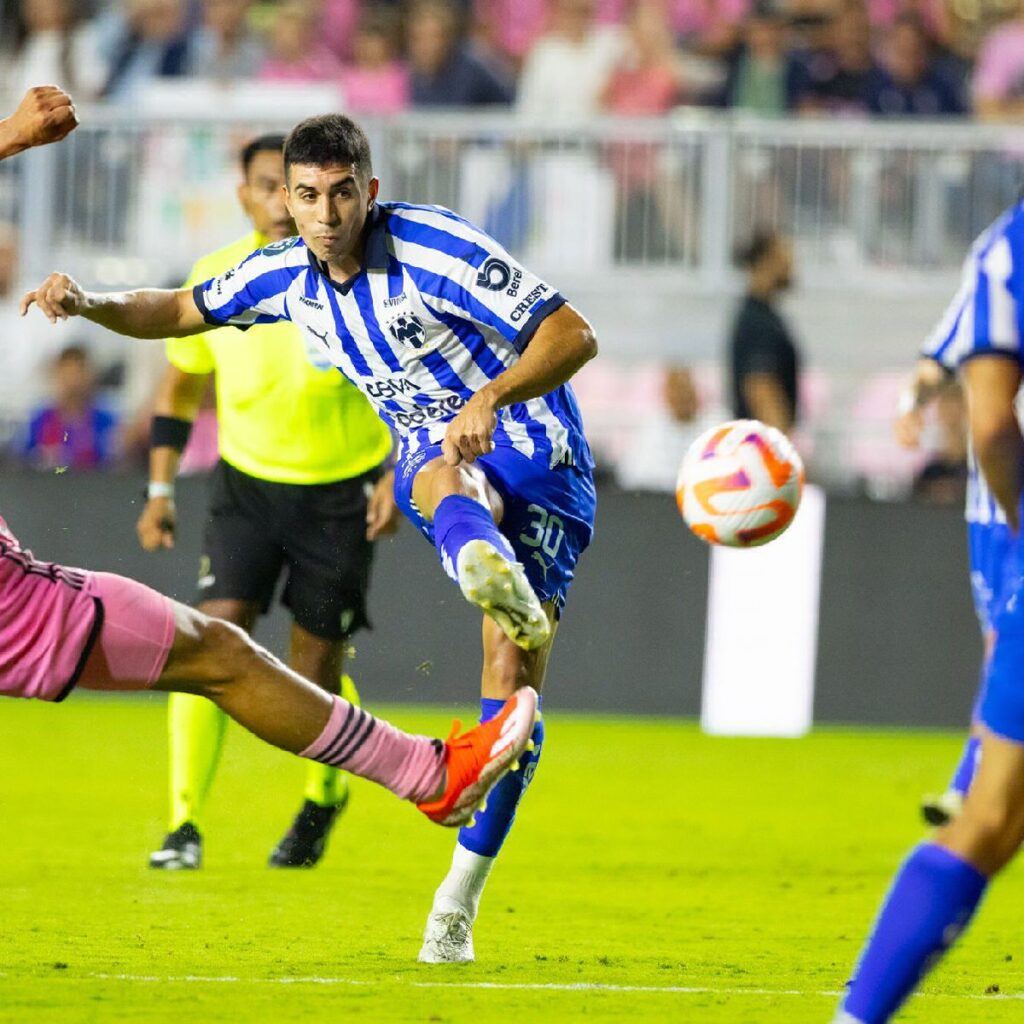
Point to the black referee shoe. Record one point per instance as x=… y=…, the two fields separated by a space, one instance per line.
x=304 y=843
x=182 y=850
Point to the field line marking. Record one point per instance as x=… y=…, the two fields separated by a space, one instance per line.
x=688 y=990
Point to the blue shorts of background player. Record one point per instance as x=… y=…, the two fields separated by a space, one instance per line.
x=988 y=545
x=548 y=513
x=1002 y=706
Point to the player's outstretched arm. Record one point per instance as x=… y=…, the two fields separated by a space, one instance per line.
x=992 y=383
x=564 y=342
x=147 y=313
x=46 y=114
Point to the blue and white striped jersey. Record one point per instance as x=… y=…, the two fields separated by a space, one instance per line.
x=437 y=311
x=986 y=317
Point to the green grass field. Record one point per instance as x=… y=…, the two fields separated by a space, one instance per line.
x=654 y=874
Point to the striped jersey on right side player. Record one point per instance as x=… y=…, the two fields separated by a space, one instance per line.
x=985 y=318
x=437 y=310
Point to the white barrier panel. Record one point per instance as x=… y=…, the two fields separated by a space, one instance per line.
x=762 y=631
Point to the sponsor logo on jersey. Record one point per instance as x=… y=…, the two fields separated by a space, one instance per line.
x=494 y=275
x=523 y=308
x=393 y=387
x=408 y=329
x=396 y=300
x=283 y=246
x=312 y=303
x=435 y=413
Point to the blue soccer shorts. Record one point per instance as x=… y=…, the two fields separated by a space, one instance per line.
x=1002 y=704
x=548 y=517
x=988 y=548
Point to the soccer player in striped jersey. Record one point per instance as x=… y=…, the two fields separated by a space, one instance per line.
x=298 y=445
x=988 y=543
x=467 y=355
x=62 y=628
x=942 y=882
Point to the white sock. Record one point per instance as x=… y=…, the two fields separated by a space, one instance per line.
x=464 y=883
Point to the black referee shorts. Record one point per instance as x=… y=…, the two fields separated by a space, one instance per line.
x=317 y=532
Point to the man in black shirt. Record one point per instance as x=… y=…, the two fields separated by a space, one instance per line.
x=764 y=361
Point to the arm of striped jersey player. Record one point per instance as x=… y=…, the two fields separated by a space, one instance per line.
x=929 y=379
x=992 y=383
x=145 y=313
x=563 y=343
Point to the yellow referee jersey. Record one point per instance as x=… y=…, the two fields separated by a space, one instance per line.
x=280 y=418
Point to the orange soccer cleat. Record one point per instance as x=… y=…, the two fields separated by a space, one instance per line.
x=476 y=761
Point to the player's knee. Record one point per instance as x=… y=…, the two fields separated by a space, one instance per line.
x=227 y=654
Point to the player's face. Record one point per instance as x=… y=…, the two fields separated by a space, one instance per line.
x=330 y=206
x=262 y=196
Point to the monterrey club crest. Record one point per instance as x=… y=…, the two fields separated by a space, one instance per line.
x=407 y=329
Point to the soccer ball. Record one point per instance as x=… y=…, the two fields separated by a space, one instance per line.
x=740 y=484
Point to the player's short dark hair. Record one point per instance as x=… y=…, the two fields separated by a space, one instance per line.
x=753 y=249
x=327 y=141
x=272 y=142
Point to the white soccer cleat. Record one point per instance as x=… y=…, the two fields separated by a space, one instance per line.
x=500 y=587
x=448 y=938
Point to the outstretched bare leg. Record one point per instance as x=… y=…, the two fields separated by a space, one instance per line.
x=216 y=660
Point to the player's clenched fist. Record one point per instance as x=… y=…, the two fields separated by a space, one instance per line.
x=470 y=434
x=156 y=525
x=58 y=297
x=46 y=114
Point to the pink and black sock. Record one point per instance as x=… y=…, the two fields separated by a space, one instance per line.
x=412 y=767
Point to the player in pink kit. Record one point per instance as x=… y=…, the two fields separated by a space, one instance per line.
x=62 y=628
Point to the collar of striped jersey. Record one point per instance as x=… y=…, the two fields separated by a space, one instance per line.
x=375 y=251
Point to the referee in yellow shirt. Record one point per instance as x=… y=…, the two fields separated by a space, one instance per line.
x=300 y=490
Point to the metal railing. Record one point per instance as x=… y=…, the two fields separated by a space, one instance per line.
x=129 y=197
x=637 y=217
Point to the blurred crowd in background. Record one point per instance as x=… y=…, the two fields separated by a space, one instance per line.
x=550 y=57
x=561 y=60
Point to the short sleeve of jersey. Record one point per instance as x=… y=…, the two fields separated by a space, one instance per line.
x=983 y=318
x=471 y=275
x=254 y=292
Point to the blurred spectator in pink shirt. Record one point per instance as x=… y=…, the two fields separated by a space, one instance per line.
x=375 y=81
x=647 y=78
x=297 y=52
x=998 y=84
x=338 y=28
x=511 y=27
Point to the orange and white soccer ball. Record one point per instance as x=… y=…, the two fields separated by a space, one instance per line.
x=740 y=484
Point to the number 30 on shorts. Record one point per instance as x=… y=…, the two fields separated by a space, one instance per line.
x=545 y=531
